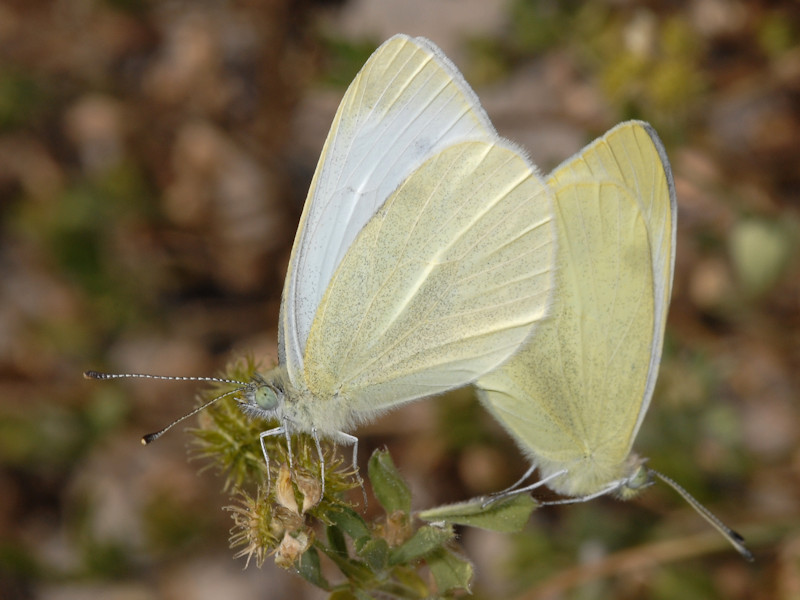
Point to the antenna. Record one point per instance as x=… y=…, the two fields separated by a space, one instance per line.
x=736 y=540
x=152 y=437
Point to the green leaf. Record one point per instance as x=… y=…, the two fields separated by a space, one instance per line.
x=350 y=522
x=358 y=574
x=336 y=542
x=449 y=570
x=375 y=552
x=389 y=487
x=395 y=590
x=410 y=580
x=505 y=516
x=310 y=569
x=425 y=540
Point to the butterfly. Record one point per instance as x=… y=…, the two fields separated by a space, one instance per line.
x=424 y=257
x=575 y=396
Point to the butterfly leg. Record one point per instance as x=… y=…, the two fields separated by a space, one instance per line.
x=262 y=436
x=351 y=439
x=514 y=490
x=321 y=459
x=519 y=481
x=613 y=486
x=288 y=444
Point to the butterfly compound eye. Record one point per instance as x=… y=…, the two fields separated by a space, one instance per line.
x=265 y=397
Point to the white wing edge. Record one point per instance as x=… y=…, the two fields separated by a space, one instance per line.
x=662 y=296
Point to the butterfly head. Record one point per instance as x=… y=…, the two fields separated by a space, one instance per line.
x=263 y=397
x=639 y=478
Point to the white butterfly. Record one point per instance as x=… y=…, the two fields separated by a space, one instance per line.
x=575 y=396
x=424 y=257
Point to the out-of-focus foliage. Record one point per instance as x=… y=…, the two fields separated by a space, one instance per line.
x=154 y=158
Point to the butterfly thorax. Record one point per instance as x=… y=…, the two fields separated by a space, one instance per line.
x=328 y=415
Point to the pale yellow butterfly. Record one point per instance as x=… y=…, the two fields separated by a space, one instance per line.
x=423 y=259
x=575 y=396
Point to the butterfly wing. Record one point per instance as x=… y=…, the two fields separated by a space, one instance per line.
x=407 y=103
x=575 y=395
x=633 y=153
x=442 y=285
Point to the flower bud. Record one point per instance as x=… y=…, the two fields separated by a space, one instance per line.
x=292 y=547
x=284 y=490
x=311 y=488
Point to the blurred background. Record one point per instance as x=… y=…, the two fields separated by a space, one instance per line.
x=154 y=160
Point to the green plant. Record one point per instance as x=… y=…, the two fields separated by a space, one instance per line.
x=285 y=514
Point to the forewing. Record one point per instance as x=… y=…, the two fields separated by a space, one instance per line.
x=407 y=103
x=441 y=286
